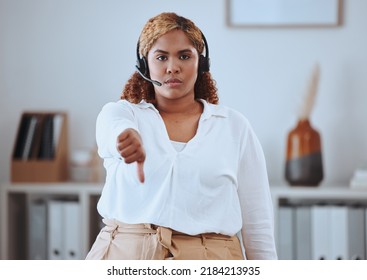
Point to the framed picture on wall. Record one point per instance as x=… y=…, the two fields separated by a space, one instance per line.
x=284 y=13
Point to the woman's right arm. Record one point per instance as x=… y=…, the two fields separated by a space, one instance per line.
x=113 y=119
x=117 y=135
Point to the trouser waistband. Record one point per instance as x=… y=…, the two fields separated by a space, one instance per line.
x=164 y=234
x=115 y=225
x=119 y=240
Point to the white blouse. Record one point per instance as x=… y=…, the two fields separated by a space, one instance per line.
x=217 y=182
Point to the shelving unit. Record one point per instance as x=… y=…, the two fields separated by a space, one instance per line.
x=323 y=195
x=282 y=195
x=15 y=196
x=13 y=213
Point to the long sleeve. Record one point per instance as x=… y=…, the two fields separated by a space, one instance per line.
x=113 y=119
x=256 y=204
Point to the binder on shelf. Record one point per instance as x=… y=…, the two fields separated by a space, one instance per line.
x=55 y=225
x=286 y=232
x=64 y=230
x=41 y=148
x=303 y=235
x=356 y=233
x=72 y=234
x=320 y=232
x=21 y=137
x=26 y=153
x=46 y=148
x=37 y=225
x=338 y=232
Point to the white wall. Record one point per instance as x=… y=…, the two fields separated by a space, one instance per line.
x=76 y=55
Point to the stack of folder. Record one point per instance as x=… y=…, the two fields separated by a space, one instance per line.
x=41 y=148
x=54 y=230
x=322 y=232
x=38 y=136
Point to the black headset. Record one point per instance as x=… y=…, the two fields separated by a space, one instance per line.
x=142 y=64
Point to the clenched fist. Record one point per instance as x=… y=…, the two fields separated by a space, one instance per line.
x=130 y=147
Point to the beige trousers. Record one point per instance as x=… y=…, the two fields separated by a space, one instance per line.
x=119 y=241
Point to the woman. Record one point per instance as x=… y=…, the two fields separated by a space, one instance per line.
x=184 y=175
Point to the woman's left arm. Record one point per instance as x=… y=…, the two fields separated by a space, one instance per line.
x=255 y=199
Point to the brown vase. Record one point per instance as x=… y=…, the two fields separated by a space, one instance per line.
x=304 y=159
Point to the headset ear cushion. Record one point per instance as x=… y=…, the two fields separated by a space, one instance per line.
x=142 y=65
x=204 y=64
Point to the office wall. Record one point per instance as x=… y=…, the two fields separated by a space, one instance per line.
x=76 y=55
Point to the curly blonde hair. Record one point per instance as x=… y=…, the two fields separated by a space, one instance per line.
x=138 y=89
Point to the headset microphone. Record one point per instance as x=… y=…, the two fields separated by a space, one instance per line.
x=146 y=78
